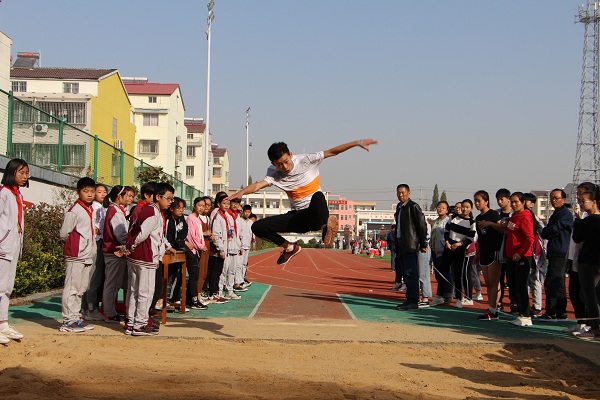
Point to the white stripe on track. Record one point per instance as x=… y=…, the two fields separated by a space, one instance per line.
x=346 y=307
x=256 y=307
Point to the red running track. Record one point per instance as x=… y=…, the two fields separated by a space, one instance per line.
x=315 y=275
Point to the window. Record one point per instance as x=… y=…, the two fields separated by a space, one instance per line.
x=178 y=175
x=217 y=172
x=19 y=86
x=150 y=119
x=190 y=136
x=22 y=112
x=114 y=128
x=191 y=151
x=148 y=147
x=216 y=188
x=189 y=171
x=73 y=113
x=151 y=99
x=71 y=87
x=116 y=164
x=216 y=161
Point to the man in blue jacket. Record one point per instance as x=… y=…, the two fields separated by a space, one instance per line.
x=558 y=234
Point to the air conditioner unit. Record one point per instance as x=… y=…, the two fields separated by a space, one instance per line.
x=178 y=138
x=118 y=144
x=177 y=163
x=41 y=128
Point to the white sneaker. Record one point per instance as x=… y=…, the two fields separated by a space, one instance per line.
x=11 y=333
x=458 y=304
x=396 y=286
x=4 y=339
x=478 y=296
x=467 y=302
x=94 y=316
x=403 y=288
x=577 y=329
x=437 y=300
x=233 y=296
x=522 y=321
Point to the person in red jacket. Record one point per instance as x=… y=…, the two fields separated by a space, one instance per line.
x=519 y=252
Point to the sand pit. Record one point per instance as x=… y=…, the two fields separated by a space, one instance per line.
x=223 y=362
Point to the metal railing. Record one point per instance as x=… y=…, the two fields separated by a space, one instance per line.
x=55 y=142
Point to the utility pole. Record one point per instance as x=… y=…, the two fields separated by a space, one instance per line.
x=207 y=159
x=587 y=162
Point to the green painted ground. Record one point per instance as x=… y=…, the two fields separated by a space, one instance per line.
x=48 y=310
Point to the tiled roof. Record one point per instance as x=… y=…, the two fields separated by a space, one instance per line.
x=60 y=73
x=195 y=128
x=219 y=152
x=151 y=88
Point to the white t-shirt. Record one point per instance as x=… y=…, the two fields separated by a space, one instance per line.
x=302 y=182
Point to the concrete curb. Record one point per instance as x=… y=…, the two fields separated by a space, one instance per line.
x=32 y=298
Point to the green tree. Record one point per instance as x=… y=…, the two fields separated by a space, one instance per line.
x=154 y=174
x=435 y=199
x=249 y=180
x=443 y=197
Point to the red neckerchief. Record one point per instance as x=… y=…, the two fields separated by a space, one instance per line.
x=15 y=191
x=90 y=212
x=123 y=210
x=222 y=213
x=234 y=215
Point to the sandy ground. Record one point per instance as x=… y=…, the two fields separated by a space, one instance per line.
x=274 y=359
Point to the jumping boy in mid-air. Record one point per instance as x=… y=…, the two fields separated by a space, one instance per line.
x=298 y=176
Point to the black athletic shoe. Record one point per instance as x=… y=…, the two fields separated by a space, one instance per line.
x=197 y=305
x=287 y=255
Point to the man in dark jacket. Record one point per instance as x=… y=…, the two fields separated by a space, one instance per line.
x=558 y=234
x=411 y=237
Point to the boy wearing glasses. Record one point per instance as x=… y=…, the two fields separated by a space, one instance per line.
x=146 y=245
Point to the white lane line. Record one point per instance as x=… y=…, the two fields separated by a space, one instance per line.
x=346 y=307
x=259 y=302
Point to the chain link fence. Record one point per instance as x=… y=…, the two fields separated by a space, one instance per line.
x=42 y=138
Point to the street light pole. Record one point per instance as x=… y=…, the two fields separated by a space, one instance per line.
x=207 y=173
x=248 y=144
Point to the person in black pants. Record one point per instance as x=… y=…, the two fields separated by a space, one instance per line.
x=558 y=234
x=298 y=176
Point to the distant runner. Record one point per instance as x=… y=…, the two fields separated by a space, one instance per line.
x=298 y=176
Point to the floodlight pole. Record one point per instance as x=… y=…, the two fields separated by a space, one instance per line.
x=207 y=173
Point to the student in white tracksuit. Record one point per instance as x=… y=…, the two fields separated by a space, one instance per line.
x=246 y=236
x=12 y=224
x=226 y=240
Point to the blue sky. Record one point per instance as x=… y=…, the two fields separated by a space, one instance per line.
x=466 y=94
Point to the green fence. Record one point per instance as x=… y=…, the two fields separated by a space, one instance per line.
x=41 y=138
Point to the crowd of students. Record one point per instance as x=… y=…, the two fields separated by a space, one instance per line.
x=107 y=249
x=517 y=254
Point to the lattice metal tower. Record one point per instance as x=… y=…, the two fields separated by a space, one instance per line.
x=587 y=157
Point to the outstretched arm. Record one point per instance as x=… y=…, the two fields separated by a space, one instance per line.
x=253 y=188
x=334 y=151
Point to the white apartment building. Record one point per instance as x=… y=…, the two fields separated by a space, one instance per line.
x=196 y=166
x=161 y=135
x=220 y=169
x=5 y=46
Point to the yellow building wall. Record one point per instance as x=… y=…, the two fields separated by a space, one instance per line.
x=112 y=102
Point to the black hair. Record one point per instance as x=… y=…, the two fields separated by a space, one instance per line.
x=519 y=196
x=247 y=207
x=587 y=186
x=148 y=188
x=161 y=189
x=277 y=150
x=592 y=194
x=563 y=195
x=85 y=182
x=444 y=202
x=198 y=200
x=252 y=216
x=471 y=204
x=8 y=179
x=483 y=194
x=503 y=193
x=236 y=200
x=116 y=191
x=177 y=201
x=101 y=185
x=403 y=185
x=219 y=198
x=531 y=197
